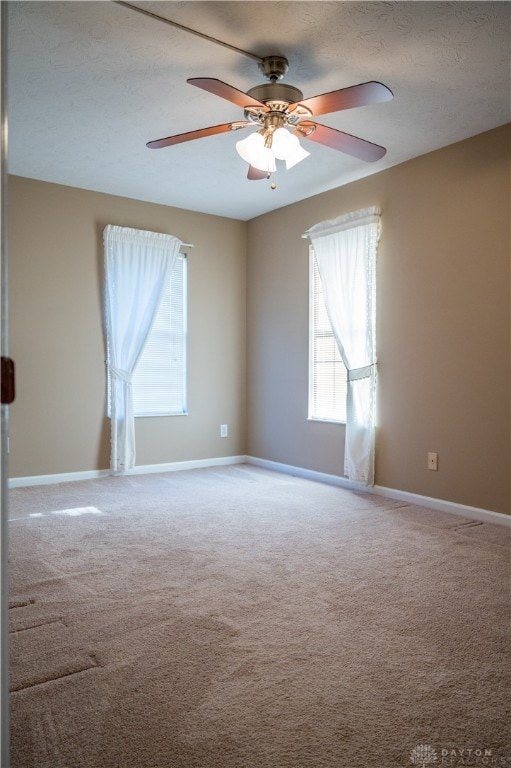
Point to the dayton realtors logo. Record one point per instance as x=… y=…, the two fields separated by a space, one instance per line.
x=425 y=756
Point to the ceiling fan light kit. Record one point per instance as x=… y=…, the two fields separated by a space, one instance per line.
x=262 y=148
x=284 y=116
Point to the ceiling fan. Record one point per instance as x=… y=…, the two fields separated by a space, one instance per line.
x=284 y=116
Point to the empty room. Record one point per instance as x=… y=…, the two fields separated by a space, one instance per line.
x=256 y=458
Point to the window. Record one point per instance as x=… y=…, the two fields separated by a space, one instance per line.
x=327 y=372
x=345 y=250
x=159 y=380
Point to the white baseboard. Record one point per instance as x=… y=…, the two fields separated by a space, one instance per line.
x=473 y=513
x=145 y=469
x=179 y=466
x=63 y=477
x=308 y=474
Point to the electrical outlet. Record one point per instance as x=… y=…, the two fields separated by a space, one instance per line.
x=224 y=430
x=433 y=461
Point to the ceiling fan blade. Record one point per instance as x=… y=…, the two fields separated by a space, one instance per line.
x=345 y=98
x=225 y=91
x=254 y=174
x=343 y=142
x=201 y=133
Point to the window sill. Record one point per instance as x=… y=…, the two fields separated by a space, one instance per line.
x=159 y=415
x=325 y=421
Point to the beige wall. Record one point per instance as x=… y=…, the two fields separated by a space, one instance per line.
x=443 y=328
x=443 y=302
x=58 y=422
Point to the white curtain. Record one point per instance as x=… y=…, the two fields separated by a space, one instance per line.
x=137 y=268
x=345 y=251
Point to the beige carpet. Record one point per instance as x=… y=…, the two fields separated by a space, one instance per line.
x=239 y=618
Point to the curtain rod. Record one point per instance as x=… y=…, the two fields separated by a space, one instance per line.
x=355 y=219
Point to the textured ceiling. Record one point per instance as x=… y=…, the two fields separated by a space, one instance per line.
x=91 y=82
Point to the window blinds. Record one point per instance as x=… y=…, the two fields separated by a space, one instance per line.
x=159 y=380
x=328 y=379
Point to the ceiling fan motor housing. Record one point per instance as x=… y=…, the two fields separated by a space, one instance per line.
x=276 y=96
x=276 y=92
